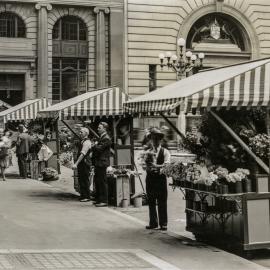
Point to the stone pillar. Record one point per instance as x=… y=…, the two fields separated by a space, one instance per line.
x=42 y=80
x=100 y=46
x=117 y=39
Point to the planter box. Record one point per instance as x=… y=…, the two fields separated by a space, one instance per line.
x=262 y=183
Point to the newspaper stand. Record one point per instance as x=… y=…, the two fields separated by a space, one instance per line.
x=241 y=219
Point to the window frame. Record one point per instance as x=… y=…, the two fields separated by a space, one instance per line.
x=17 y=30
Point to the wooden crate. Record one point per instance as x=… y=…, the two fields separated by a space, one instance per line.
x=36 y=167
x=118 y=190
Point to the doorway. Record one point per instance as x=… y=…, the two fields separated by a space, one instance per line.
x=12 y=88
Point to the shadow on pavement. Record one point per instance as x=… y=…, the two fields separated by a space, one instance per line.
x=54 y=195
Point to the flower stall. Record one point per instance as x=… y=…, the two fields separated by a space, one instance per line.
x=227 y=188
x=88 y=110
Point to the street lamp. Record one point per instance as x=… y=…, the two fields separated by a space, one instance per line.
x=182 y=65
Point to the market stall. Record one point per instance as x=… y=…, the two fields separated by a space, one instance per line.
x=89 y=109
x=216 y=209
x=24 y=113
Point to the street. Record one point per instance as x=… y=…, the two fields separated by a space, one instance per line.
x=37 y=219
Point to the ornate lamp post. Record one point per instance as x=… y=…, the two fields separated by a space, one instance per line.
x=183 y=66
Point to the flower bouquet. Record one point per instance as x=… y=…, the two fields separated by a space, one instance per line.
x=49 y=174
x=260 y=145
x=175 y=170
x=66 y=159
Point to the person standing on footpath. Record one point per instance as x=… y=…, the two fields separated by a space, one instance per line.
x=5 y=145
x=101 y=159
x=83 y=166
x=22 y=150
x=156 y=183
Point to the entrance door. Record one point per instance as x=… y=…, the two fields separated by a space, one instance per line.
x=12 y=88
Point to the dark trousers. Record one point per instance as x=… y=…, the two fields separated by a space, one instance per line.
x=22 y=163
x=157 y=194
x=83 y=178
x=100 y=180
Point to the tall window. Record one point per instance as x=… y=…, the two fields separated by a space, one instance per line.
x=152 y=77
x=11 y=25
x=69 y=77
x=70 y=28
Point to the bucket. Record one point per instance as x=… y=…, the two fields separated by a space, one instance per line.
x=138 y=202
x=124 y=203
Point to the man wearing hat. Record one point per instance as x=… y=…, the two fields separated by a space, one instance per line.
x=101 y=159
x=156 y=183
x=22 y=150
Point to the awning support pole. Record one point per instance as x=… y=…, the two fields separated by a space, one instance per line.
x=70 y=129
x=173 y=126
x=267 y=120
x=239 y=140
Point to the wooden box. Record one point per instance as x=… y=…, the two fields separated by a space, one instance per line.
x=118 y=190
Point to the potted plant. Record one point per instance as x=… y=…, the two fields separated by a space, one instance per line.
x=222 y=184
x=235 y=180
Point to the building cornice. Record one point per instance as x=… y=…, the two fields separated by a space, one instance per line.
x=89 y=3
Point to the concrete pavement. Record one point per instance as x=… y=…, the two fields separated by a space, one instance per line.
x=36 y=216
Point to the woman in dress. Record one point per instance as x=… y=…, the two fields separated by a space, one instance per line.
x=4 y=156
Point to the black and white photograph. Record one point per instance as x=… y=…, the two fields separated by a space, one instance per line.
x=135 y=134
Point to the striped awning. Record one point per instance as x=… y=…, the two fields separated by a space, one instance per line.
x=4 y=105
x=241 y=85
x=26 y=110
x=103 y=102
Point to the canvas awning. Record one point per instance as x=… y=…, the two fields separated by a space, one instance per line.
x=103 y=102
x=4 y=105
x=241 y=85
x=26 y=110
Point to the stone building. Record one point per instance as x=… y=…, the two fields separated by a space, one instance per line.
x=226 y=31
x=60 y=48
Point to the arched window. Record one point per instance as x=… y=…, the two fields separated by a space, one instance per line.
x=70 y=28
x=70 y=58
x=217 y=30
x=11 y=25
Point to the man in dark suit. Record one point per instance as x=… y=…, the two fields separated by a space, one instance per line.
x=22 y=150
x=101 y=159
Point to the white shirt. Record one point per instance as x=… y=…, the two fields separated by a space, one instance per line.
x=167 y=155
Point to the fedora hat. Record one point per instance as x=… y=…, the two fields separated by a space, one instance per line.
x=156 y=132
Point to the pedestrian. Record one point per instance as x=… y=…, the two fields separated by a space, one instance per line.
x=22 y=150
x=7 y=139
x=156 y=183
x=4 y=157
x=101 y=159
x=83 y=166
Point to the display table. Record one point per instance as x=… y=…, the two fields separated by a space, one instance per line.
x=236 y=219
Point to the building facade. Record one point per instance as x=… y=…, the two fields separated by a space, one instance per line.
x=227 y=31
x=58 y=49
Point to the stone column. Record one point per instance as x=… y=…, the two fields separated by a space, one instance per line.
x=100 y=46
x=117 y=39
x=42 y=80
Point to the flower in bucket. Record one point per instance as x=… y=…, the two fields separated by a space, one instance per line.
x=243 y=173
x=234 y=177
x=221 y=172
x=260 y=145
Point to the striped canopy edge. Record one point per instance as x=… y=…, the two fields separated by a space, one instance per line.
x=96 y=103
x=248 y=89
x=26 y=110
x=4 y=104
x=163 y=105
